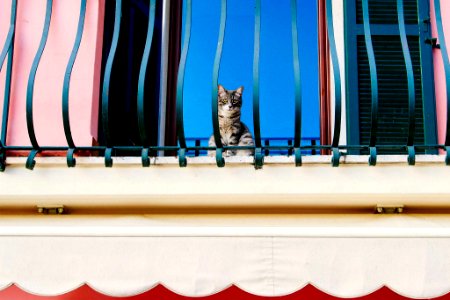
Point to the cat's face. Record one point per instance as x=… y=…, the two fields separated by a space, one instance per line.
x=230 y=101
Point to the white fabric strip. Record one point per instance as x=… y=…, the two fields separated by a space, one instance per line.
x=310 y=232
x=345 y=256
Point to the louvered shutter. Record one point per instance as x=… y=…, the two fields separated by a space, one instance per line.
x=392 y=79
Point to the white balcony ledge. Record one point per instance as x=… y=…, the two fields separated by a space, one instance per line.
x=202 y=185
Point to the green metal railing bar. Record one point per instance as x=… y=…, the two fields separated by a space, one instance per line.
x=66 y=86
x=31 y=163
x=30 y=88
x=373 y=84
x=180 y=84
x=194 y=148
x=298 y=86
x=106 y=83
x=259 y=154
x=446 y=61
x=215 y=81
x=8 y=50
x=261 y=150
x=108 y=157
x=337 y=85
x=141 y=85
x=411 y=87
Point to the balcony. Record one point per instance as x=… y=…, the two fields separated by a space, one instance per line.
x=107 y=189
x=117 y=89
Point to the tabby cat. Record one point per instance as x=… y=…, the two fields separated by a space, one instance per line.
x=232 y=131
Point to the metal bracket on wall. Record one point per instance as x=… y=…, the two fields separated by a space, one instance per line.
x=51 y=209
x=389 y=209
x=433 y=43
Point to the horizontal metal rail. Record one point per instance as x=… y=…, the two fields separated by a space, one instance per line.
x=44 y=149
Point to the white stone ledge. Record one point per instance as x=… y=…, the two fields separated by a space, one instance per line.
x=203 y=185
x=242 y=160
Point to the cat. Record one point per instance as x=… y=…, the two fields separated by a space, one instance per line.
x=232 y=131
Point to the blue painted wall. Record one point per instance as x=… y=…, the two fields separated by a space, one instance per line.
x=276 y=77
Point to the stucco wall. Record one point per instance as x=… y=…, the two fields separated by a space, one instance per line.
x=84 y=89
x=440 y=85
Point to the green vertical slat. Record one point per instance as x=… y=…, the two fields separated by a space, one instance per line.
x=351 y=76
x=107 y=81
x=142 y=75
x=141 y=84
x=32 y=77
x=30 y=88
x=446 y=61
x=259 y=155
x=8 y=49
x=66 y=85
x=298 y=86
x=215 y=81
x=373 y=83
x=337 y=84
x=180 y=85
x=411 y=86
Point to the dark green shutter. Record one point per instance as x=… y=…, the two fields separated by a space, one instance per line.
x=392 y=76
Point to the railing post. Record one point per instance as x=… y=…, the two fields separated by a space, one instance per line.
x=30 y=88
x=298 y=86
x=411 y=88
x=289 y=145
x=313 y=144
x=373 y=84
x=141 y=85
x=337 y=86
x=8 y=49
x=215 y=106
x=197 y=144
x=66 y=85
x=259 y=154
x=180 y=84
x=107 y=81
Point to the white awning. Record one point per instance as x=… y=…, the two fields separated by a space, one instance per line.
x=342 y=255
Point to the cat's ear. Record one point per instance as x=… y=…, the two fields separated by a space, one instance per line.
x=239 y=91
x=221 y=91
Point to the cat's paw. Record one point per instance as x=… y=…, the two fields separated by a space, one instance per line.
x=230 y=153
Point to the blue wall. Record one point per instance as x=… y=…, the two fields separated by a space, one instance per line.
x=276 y=71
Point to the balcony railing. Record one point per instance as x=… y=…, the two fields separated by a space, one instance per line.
x=272 y=146
x=297 y=145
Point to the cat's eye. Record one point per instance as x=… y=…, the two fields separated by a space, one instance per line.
x=234 y=102
x=224 y=101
